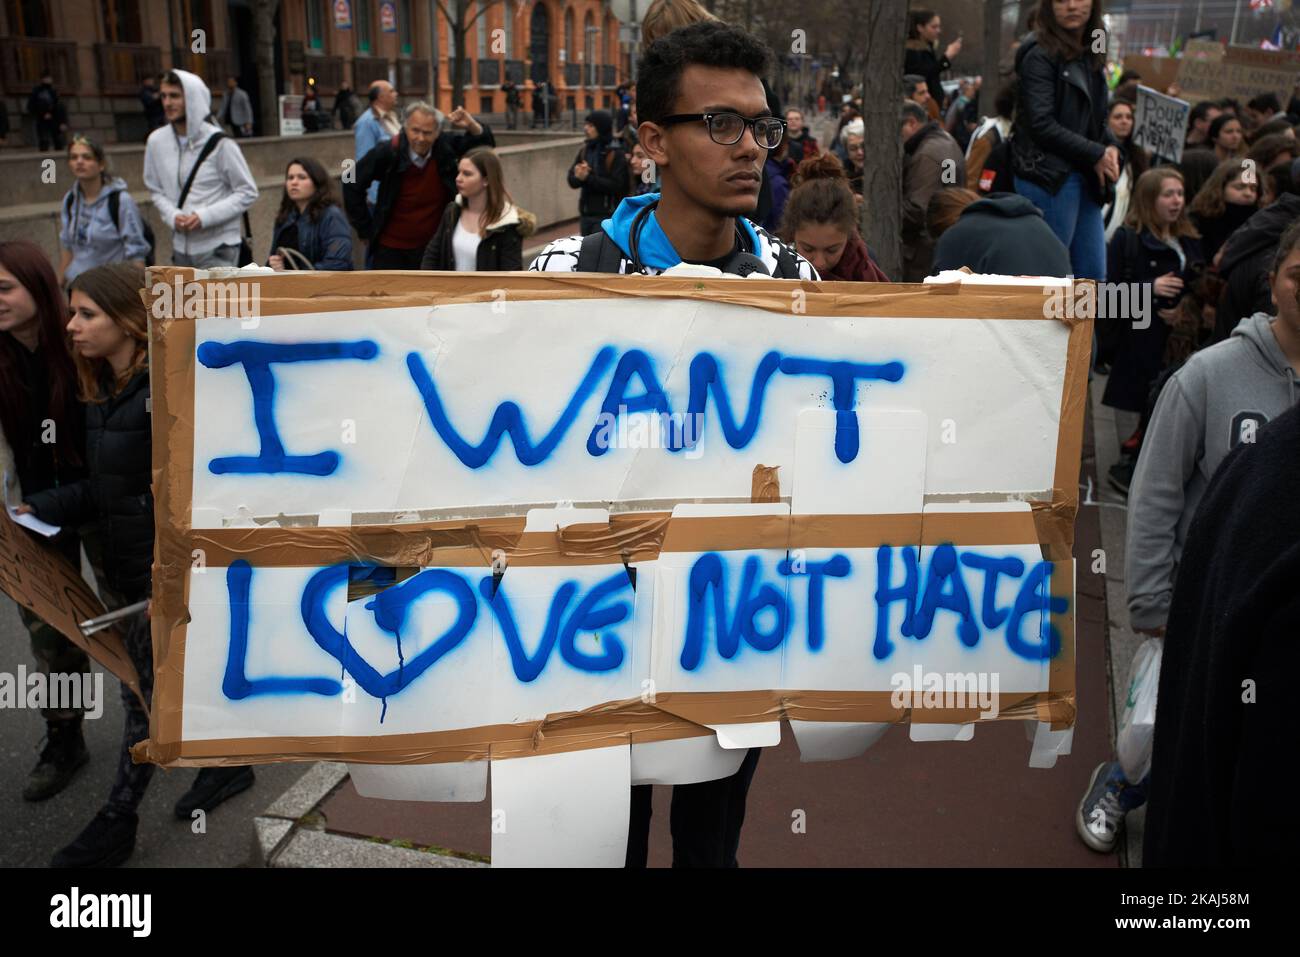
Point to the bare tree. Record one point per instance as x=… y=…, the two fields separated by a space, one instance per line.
x=992 y=54
x=264 y=56
x=884 y=25
x=457 y=13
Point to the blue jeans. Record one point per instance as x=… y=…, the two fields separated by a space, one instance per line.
x=1076 y=221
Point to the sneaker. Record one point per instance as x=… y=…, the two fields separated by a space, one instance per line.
x=1100 y=817
x=107 y=841
x=1120 y=475
x=63 y=755
x=211 y=787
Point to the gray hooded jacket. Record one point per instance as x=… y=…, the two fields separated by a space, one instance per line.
x=1219 y=399
x=223 y=189
x=88 y=232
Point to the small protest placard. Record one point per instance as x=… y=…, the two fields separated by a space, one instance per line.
x=1160 y=124
x=37 y=576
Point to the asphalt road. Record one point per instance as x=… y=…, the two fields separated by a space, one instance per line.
x=31 y=833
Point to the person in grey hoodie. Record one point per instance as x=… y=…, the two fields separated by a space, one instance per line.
x=1218 y=400
x=90 y=233
x=206 y=232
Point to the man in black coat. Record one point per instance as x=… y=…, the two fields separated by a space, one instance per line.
x=47 y=110
x=151 y=100
x=1226 y=724
x=599 y=171
x=416 y=172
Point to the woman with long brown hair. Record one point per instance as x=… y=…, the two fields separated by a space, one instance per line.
x=1134 y=161
x=1228 y=198
x=921 y=55
x=42 y=445
x=1064 y=158
x=1157 y=246
x=310 y=222
x=109 y=335
x=821 y=221
x=483 y=230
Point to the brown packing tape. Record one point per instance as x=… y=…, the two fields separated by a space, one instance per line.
x=39 y=578
x=978 y=528
x=289 y=293
x=1074 y=401
x=1060 y=708
x=629 y=536
x=766 y=486
x=671 y=717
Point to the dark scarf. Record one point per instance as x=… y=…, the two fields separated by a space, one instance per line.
x=856 y=264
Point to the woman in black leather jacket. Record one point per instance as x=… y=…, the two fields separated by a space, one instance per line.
x=921 y=55
x=1063 y=156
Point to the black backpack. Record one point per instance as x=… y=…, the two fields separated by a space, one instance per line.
x=115 y=213
x=599 y=253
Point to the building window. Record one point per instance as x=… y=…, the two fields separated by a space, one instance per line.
x=405 y=26
x=480 y=34
x=570 y=51
x=121 y=20
x=26 y=18
x=315 y=25
x=195 y=15
x=589 y=34
x=361 y=24
x=509 y=23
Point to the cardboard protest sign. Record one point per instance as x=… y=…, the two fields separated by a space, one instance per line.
x=577 y=527
x=1204 y=50
x=1200 y=79
x=1156 y=72
x=35 y=575
x=1160 y=124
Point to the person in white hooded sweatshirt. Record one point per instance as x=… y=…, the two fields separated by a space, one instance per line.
x=205 y=227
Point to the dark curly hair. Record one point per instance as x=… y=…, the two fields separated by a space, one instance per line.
x=709 y=43
x=323 y=197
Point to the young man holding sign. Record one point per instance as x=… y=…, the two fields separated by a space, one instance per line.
x=706 y=126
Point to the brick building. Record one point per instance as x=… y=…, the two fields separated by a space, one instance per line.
x=99 y=50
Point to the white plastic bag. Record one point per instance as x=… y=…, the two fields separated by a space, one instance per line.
x=1137 y=723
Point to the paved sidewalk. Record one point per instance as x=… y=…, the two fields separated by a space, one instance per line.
x=966 y=804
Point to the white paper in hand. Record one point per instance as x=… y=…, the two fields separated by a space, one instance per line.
x=28 y=520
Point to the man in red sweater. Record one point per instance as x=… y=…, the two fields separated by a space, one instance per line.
x=416 y=172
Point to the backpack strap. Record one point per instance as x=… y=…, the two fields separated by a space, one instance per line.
x=115 y=209
x=787 y=267
x=599 y=253
x=213 y=141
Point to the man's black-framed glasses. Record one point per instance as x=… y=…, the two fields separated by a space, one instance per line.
x=726 y=129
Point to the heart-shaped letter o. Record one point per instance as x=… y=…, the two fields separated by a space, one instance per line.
x=390 y=607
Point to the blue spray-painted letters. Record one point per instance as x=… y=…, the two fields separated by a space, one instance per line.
x=257 y=358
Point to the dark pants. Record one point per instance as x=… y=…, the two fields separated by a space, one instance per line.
x=512 y=117
x=385 y=257
x=49 y=135
x=705 y=819
x=590 y=224
x=56 y=655
x=132 y=779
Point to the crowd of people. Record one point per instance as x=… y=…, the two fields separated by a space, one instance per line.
x=701 y=163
